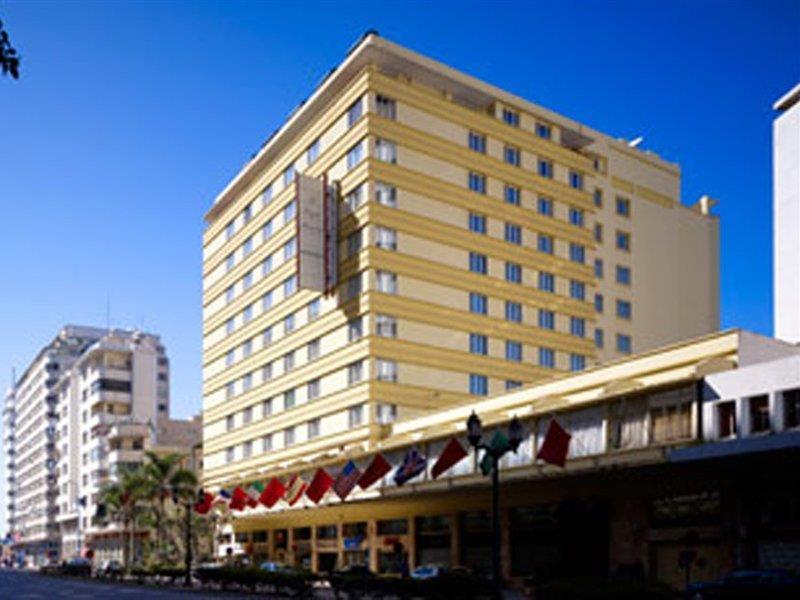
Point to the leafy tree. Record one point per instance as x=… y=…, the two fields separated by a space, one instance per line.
x=9 y=59
x=125 y=501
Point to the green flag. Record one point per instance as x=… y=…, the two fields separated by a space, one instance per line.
x=255 y=489
x=499 y=445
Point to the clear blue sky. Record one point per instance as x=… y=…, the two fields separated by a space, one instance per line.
x=130 y=117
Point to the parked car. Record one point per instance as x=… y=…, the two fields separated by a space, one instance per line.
x=274 y=567
x=428 y=572
x=110 y=568
x=768 y=583
x=77 y=566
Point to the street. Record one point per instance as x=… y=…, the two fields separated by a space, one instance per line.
x=22 y=585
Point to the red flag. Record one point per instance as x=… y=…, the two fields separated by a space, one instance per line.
x=295 y=489
x=555 y=446
x=272 y=493
x=203 y=506
x=453 y=453
x=319 y=485
x=239 y=499
x=376 y=469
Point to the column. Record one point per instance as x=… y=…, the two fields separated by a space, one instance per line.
x=412 y=543
x=314 y=553
x=455 y=540
x=505 y=542
x=372 y=536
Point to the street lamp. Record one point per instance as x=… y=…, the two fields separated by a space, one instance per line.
x=182 y=493
x=495 y=450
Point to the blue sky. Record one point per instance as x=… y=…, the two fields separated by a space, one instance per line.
x=130 y=117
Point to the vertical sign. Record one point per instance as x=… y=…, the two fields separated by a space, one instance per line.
x=331 y=262
x=310 y=233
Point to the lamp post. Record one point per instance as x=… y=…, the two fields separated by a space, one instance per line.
x=516 y=433
x=182 y=493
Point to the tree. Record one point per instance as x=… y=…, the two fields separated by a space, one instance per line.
x=124 y=501
x=9 y=59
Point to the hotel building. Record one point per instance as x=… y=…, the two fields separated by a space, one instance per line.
x=483 y=243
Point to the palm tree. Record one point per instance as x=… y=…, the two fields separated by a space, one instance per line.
x=123 y=501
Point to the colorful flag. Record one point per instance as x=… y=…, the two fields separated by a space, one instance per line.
x=499 y=445
x=295 y=489
x=272 y=493
x=413 y=464
x=452 y=454
x=346 y=480
x=223 y=497
x=238 y=499
x=254 y=493
x=203 y=506
x=319 y=486
x=376 y=469
x=555 y=446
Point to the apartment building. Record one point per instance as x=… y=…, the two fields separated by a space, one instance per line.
x=413 y=238
x=30 y=444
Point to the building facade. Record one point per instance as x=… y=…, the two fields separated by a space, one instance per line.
x=786 y=215
x=483 y=243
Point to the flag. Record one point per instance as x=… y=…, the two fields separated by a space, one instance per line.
x=413 y=464
x=223 y=496
x=555 y=446
x=376 y=469
x=238 y=499
x=452 y=454
x=346 y=480
x=319 y=486
x=203 y=506
x=499 y=445
x=272 y=493
x=254 y=493
x=295 y=489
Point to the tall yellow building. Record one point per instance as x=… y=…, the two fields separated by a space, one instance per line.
x=483 y=242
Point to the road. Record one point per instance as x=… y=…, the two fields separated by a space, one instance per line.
x=24 y=585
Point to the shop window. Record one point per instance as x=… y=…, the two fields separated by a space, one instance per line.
x=726 y=418
x=759 y=414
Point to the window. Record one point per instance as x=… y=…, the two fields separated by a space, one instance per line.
x=513 y=351
x=266 y=301
x=230 y=229
x=386 y=238
x=353 y=287
x=477 y=223
x=791 y=408
x=354 y=113
x=355 y=372
x=386 y=326
x=288 y=175
x=247 y=280
x=477 y=142
x=512 y=195
x=547 y=319
x=624 y=343
x=266 y=443
x=247 y=314
x=547 y=282
x=512 y=384
x=387 y=282
x=623 y=207
x=353 y=200
x=575 y=180
x=386 y=151
x=477 y=182
x=598 y=303
x=478 y=385
x=386 y=194
x=547 y=358
x=576 y=217
x=229 y=326
x=230 y=261
x=577 y=362
x=313 y=428
x=623 y=275
x=229 y=358
x=545 y=169
x=726 y=419
x=511 y=117
x=598 y=268
x=624 y=309
x=387 y=107
x=229 y=295
x=513 y=311
x=577 y=253
x=313 y=349
x=354 y=329
x=544 y=206
x=598 y=233
x=230 y=454
x=314 y=309
x=313 y=389
x=355 y=415
x=266 y=195
x=543 y=131
x=386 y=370
x=290 y=249
x=513 y=234
x=513 y=272
x=354 y=155
x=759 y=414
x=577 y=326
x=247 y=213
x=288 y=399
x=577 y=290
x=544 y=243
x=623 y=241
x=477 y=263
x=478 y=344
x=229 y=423
x=511 y=155
x=247 y=247
x=289 y=211
x=598 y=198
x=354 y=243
x=247 y=348
x=266 y=408
x=266 y=266
x=599 y=338
x=288 y=361
x=247 y=381
x=313 y=152
x=266 y=372
x=289 y=286
x=478 y=303
x=288 y=324
x=247 y=415
x=386 y=413
x=288 y=436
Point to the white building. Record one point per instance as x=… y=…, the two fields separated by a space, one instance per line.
x=786 y=215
